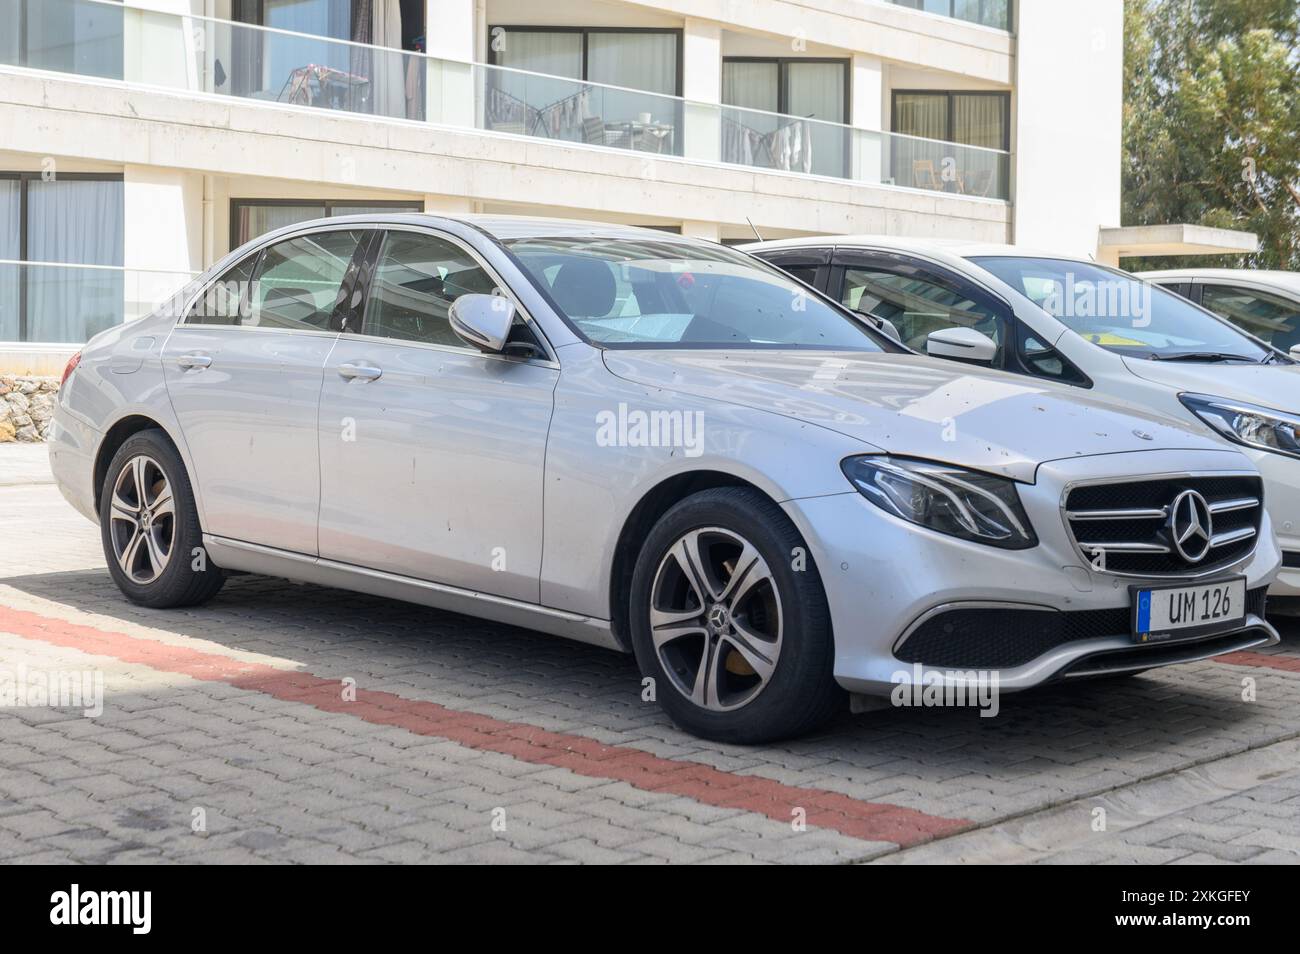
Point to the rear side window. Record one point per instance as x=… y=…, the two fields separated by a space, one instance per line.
x=300 y=281
x=416 y=280
x=224 y=301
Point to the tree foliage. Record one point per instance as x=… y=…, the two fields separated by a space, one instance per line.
x=1212 y=121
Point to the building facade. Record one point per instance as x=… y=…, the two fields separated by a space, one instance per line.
x=144 y=139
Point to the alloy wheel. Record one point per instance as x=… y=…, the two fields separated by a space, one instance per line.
x=715 y=619
x=142 y=519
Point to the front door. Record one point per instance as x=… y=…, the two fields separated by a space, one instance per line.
x=431 y=452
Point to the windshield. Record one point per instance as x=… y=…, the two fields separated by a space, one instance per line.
x=1123 y=314
x=648 y=293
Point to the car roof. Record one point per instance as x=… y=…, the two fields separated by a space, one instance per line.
x=1287 y=280
x=507 y=227
x=962 y=248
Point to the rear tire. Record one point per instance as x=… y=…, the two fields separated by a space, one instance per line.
x=149 y=526
x=729 y=618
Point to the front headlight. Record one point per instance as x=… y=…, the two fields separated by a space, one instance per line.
x=1260 y=427
x=951 y=500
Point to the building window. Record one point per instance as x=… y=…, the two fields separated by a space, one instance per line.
x=788 y=113
x=971 y=119
x=647 y=63
x=989 y=13
x=936 y=119
x=61 y=254
x=68 y=36
x=250 y=218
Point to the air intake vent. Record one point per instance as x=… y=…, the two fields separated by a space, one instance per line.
x=1166 y=527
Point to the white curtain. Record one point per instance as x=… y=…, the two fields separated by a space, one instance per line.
x=10 y=250
x=81 y=222
x=255 y=220
x=751 y=85
x=519 y=98
x=645 y=61
x=979 y=120
x=388 y=85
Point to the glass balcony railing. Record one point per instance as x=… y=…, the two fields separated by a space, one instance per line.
x=218 y=57
x=54 y=303
x=989 y=13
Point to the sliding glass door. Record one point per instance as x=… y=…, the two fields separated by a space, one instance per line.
x=551 y=96
x=799 y=108
x=940 y=117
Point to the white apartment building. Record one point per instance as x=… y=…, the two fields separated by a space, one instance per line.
x=143 y=139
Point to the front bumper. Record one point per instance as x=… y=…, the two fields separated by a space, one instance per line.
x=882 y=575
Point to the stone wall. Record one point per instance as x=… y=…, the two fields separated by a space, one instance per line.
x=26 y=405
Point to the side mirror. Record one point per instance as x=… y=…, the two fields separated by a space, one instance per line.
x=964 y=344
x=482 y=321
x=1295 y=351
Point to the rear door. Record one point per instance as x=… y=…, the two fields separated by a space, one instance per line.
x=243 y=371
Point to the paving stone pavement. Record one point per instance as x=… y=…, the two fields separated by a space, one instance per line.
x=188 y=764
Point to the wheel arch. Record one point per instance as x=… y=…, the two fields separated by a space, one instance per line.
x=117 y=435
x=652 y=505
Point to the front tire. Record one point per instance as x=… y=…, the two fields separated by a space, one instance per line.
x=150 y=527
x=729 y=618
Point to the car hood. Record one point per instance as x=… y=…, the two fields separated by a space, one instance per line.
x=1272 y=385
x=910 y=405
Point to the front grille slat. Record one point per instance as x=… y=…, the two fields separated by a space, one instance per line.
x=1006 y=637
x=1128 y=521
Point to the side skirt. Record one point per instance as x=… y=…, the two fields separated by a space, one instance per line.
x=268 y=561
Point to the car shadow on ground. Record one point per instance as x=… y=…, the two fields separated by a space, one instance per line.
x=1056 y=740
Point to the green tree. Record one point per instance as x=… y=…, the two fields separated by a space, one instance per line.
x=1212 y=121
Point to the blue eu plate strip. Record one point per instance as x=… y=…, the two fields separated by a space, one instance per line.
x=1144 y=611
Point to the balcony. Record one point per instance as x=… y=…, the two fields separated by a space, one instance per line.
x=223 y=59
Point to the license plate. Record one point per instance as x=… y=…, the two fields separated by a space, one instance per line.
x=1181 y=612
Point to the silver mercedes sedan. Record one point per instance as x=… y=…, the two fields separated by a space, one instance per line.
x=657 y=445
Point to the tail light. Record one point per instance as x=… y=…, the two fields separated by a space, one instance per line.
x=72 y=366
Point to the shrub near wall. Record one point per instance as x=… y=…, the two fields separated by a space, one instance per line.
x=26 y=406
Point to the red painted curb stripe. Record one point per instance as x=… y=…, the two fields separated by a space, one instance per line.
x=1266 y=660
x=871 y=821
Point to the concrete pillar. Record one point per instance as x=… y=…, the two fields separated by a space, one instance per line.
x=448 y=204
x=450 y=40
x=705 y=230
x=162 y=46
x=163 y=244
x=870 y=149
x=702 y=88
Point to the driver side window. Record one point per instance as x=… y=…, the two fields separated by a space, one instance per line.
x=918 y=303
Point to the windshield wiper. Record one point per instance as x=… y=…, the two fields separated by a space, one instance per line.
x=1205 y=356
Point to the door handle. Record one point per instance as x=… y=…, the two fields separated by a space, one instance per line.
x=193 y=360
x=359 y=372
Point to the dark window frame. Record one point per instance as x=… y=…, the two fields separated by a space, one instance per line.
x=397 y=205
x=783 y=79
x=1005 y=96
x=585 y=31
x=24 y=220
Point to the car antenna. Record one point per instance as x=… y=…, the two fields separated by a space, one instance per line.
x=751 y=225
